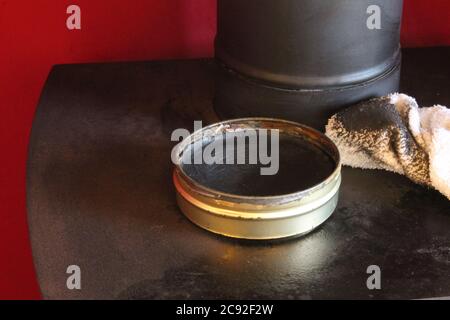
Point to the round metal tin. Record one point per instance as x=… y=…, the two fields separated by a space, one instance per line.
x=258 y=217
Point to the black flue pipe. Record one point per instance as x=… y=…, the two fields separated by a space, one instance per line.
x=303 y=60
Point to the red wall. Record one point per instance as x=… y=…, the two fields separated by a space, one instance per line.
x=33 y=37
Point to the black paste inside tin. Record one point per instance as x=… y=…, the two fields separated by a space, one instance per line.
x=301 y=165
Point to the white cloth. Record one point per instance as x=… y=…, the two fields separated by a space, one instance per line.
x=394 y=134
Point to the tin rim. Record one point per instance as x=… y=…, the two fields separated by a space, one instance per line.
x=258 y=217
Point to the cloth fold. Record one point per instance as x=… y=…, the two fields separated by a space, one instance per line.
x=393 y=133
